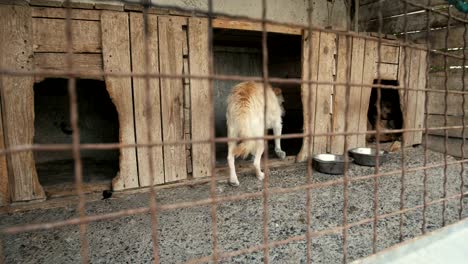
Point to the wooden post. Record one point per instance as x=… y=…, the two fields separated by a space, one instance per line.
x=18 y=100
x=4 y=184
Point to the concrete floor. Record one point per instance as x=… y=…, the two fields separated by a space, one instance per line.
x=186 y=233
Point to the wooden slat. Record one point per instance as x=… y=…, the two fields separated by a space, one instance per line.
x=309 y=68
x=436 y=103
x=439 y=121
x=54 y=3
x=370 y=54
x=171 y=62
x=47 y=12
x=199 y=96
x=254 y=26
x=357 y=67
x=324 y=91
x=4 y=185
x=421 y=97
x=153 y=132
x=57 y=62
x=50 y=35
x=339 y=108
x=454 y=80
x=18 y=100
x=116 y=56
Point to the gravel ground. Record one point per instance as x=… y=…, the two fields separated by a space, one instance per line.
x=185 y=234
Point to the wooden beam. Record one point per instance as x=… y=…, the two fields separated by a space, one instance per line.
x=116 y=56
x=439 y=121
x=198 y=59
x=18 y=100
x=254 y=26
x=153 y=132
x=87 y=64
x=79 y=14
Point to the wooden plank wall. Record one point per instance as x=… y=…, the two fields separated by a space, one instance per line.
x=394 y=20
x=18 y=100
x=4 y=181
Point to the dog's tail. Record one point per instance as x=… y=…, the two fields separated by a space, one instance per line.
x=244 y=148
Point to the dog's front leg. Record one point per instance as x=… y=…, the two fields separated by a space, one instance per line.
x=277 y=132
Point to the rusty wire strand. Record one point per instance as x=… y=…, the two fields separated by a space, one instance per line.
x=78 y=169
x=309 y=129
x=462 y=147
x=444 y=205
x=426 y=126
x=149 y=135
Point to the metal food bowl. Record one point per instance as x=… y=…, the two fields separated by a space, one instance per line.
x=366 y=156
x=329 y=163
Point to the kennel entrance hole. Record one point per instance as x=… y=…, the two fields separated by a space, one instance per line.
x=390 y=112
x=239 y=52
x=98 y=123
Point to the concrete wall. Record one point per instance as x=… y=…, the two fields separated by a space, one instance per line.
x=292 y=11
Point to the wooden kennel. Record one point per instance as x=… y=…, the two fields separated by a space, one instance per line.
x=34 y=38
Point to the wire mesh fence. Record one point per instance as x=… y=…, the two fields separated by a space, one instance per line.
x=214 y=201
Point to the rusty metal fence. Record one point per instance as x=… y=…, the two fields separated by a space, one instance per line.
x=83 y=220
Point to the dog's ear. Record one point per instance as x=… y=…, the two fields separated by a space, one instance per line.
x=277 y=91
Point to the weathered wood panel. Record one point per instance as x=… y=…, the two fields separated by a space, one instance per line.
x=434 y=121
x=368 y=76
x=47 y=12
x=4 y=183
x=387 y=71
x=436 y=103
x=326 y=68
x=116 y=57
x=172 y=96
x=199 y=96
x=90 y=65
x=438 y=61
x=49 y=35
x=357 y=68
x=147 y=132
x=18 y=100
x=309 y=68
x=437 y=143
x=388 y=54
x=421 y=96
x=339 y=109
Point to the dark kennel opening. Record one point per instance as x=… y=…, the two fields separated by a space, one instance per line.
x=98 y=123
x=391 y=116
x=239 y=52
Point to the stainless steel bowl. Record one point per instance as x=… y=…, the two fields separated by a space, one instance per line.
x=329 y=163
x=366 y=156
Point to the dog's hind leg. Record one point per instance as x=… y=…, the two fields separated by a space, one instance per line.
x=277 y=128
x=258 y=156
x=232 y=168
